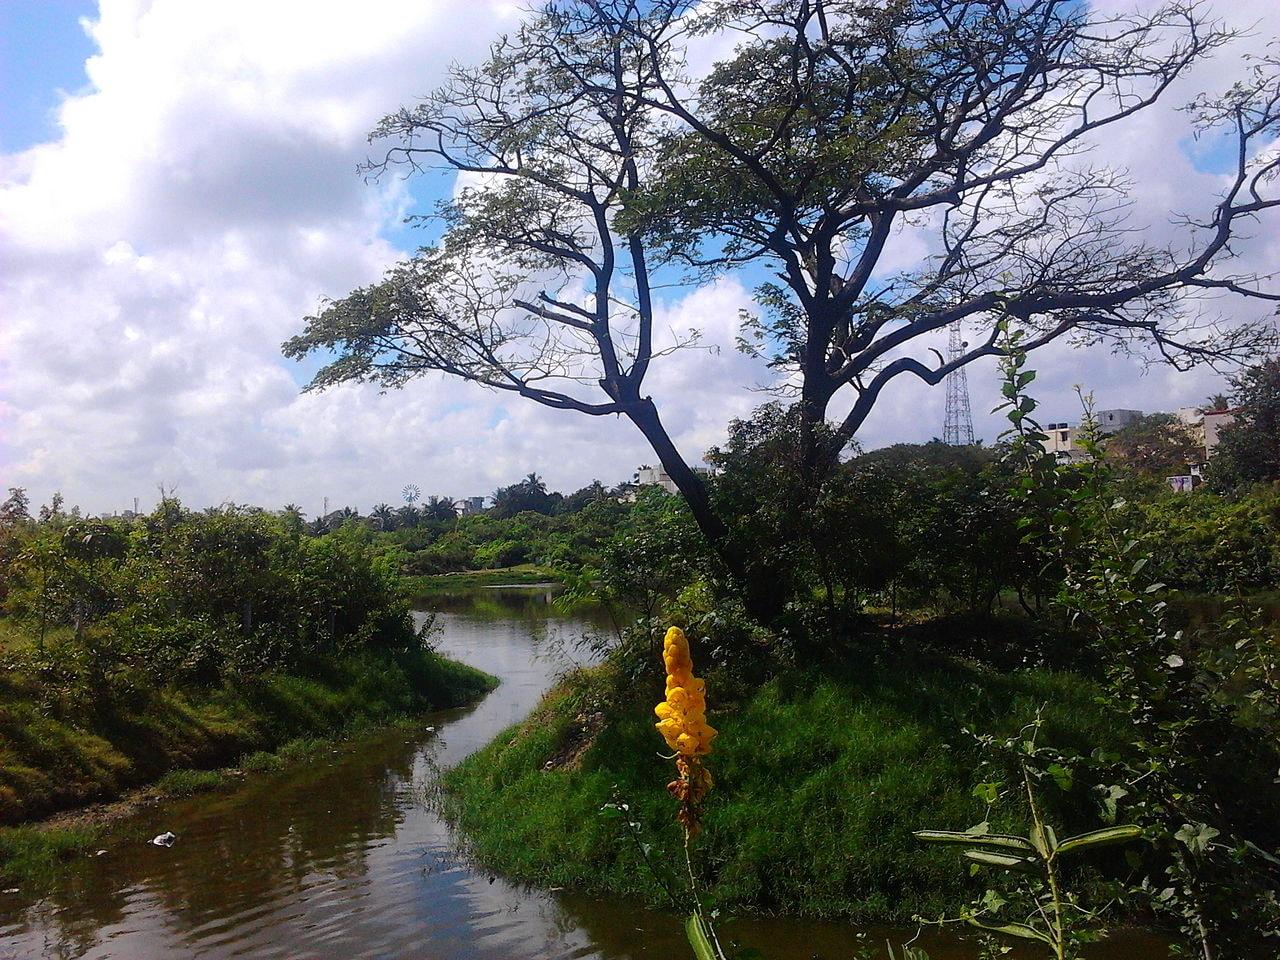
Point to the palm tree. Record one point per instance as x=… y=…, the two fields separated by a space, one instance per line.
x=1217 y=401
x=294 y=518
x=383 y=516
x=440 y=508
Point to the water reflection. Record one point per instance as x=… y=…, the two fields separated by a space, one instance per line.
x=345 y=857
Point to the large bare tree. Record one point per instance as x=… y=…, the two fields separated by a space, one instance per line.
x=590 y=164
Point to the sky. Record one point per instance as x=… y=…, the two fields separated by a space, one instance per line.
x=178 y=189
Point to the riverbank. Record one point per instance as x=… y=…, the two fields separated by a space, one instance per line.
x=526 y=574
x=820 y=775
x=174 y=742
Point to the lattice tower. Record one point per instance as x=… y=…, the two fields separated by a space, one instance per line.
x=958 y=430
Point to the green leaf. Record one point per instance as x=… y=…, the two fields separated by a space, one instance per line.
x=1061 y=775
x=1003 y=860
x=992 y=901
x=1121 y=833
x=695 y=928
x=1020 y=930
x=1044 y=840
x=1197 y=836
x=987 y=792
x=991 y=841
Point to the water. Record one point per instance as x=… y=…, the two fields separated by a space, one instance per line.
x=346 y=858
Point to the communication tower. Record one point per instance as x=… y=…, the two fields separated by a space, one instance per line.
x=958 y=430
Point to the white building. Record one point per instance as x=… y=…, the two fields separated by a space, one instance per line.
x=1214 y=421
x=469 y=505
x=648 y=476
x=1113 y=421
x=1062 y=441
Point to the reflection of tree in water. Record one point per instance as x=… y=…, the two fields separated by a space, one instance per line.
x=534 y=604
x=617 y=929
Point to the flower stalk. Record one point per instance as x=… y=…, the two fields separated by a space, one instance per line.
x=682 y=721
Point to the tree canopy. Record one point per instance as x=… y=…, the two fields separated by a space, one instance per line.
x=594 y=164
x=1157 y=445
x=1249 y=448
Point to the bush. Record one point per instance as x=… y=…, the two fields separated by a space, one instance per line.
x=195 y=598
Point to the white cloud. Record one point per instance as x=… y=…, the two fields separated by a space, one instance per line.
x=202 y=197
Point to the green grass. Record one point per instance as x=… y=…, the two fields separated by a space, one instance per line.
x=33 y=856
x=51 y=761
x=525 y=573
x=186 y=783
x=820 y=778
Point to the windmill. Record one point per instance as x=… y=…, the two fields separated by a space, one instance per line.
x=411 y=493
x=958 y=429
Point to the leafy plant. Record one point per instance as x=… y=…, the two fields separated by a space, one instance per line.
x=1199 y=773
x=1050 y=914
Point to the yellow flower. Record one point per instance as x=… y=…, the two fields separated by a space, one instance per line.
x=682 y=719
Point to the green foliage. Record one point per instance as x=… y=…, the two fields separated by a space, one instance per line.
x=528 y=496
x=192 y=598
x=178 y=641
x=1249 y=449
x=1206 y=543
x=801 y=532
x=1198 y=771
x=1038 y=906
x=909 y=526
x=821 y=775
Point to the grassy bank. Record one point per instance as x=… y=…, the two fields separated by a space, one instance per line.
x=34 y=855
x=180 y=743
x=525 y=573
x=50 y=762
x=820 y=778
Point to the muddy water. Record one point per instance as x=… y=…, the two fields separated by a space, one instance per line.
x=346 y=858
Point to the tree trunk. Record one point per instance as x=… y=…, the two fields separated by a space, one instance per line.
x=759 y=594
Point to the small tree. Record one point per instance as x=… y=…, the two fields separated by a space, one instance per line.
x=1157 y=445
x=1249 y=449
x=16 y=508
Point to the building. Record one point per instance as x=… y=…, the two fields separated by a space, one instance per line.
x=1204 y=426
x=1213 y=422
x=1113 y=421
x=1063 y=438
x=648 y=476
x=469 y=505
x=1061 y=441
